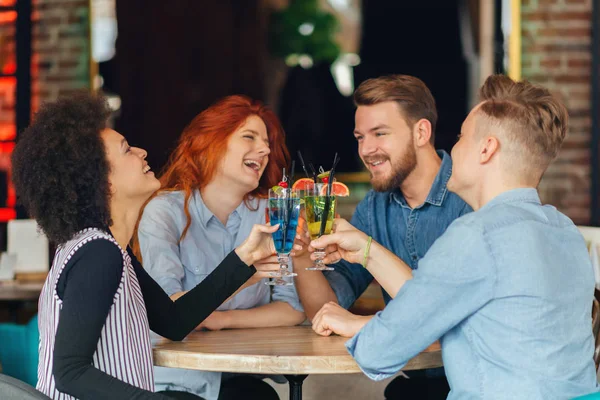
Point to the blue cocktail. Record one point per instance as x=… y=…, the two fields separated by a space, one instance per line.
x=283 y=209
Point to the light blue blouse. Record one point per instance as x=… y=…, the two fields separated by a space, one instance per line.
x=180 y=266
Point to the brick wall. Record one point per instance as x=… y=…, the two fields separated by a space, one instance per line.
x=59 y=65
x=60 y=48
x=557 y=54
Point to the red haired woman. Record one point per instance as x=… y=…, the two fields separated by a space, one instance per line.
x=212 y=193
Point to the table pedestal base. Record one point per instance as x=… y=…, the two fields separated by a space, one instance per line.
x=295 y=382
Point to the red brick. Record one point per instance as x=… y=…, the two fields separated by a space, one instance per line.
x=551 y=63
x=565 y=32
x=568 y=145
x=559 y=48
x=50 y=20
x=69 y=64
x=579 y=63
x=581 y=200
x=576 y=78
x=552 y=16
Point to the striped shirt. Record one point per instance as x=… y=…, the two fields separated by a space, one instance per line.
x=124 y=349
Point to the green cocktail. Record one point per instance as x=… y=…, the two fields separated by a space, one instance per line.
x=320 y=212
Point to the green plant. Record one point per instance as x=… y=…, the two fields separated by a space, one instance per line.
x=302 y=30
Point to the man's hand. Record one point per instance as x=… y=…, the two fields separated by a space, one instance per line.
x=346 y=242
x=332 y=318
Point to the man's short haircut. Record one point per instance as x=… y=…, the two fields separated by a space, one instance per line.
x=411 y=94
x=533 y=120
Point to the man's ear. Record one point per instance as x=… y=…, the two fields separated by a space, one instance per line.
x=422 y=132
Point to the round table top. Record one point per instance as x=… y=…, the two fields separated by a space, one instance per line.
x=293 y=350
x=15 y=291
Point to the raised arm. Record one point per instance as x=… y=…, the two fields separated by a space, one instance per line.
x=343 y=285
x=352 y=245
x=175 y=319
x=450 y=284
x=158 y=234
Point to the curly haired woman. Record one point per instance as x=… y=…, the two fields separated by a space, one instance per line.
x=86 y=186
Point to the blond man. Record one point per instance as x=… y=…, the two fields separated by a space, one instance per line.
x=512 y=305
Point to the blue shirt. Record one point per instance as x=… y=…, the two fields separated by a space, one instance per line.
x=511 y=306
x=180 y=266
x=407 y=232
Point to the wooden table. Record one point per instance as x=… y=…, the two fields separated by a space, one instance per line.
x=292 y=351
x=16 y=291
x=15 y=294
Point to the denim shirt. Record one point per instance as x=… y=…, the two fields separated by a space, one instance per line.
x=407 y=232
x=181 y=266
x=512 y=306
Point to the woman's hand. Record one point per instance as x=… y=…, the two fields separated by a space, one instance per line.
x=264 y=269
x=346 y=242
x=214 y=322
x=258 y=245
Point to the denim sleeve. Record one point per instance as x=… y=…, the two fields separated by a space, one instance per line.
x=288 y=294
x=158 y=235
x=454 y=279
x=348 y=280
x=465 y=210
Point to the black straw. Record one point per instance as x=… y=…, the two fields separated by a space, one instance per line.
x=288 y=216
x=291 y=177
x=332 y=173
x=302 y=163
x=314 y=173
x=328 y=197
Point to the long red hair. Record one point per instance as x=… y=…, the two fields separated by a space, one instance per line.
x=203 y=143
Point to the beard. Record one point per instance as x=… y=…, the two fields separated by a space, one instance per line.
x=400 y=171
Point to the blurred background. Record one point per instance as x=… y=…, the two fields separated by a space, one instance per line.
x=161 y=63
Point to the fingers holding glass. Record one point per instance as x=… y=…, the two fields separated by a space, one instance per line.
x=283 y=209
x=320 y=212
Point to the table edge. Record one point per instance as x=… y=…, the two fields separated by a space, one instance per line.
x=268 y=364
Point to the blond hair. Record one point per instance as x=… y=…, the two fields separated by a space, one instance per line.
x=530 y=117
x=411 y=94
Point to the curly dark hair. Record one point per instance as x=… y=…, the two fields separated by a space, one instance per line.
x=60 y=170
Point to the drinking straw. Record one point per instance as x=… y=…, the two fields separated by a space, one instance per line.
x=288 y=215
x=302 y=163
x=292 y=173
x=328 y=197
x=314 y=173
x=332 y=173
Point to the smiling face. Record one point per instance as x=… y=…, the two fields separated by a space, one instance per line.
x=130 y=175
x=385 y=144
x=246 y=157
